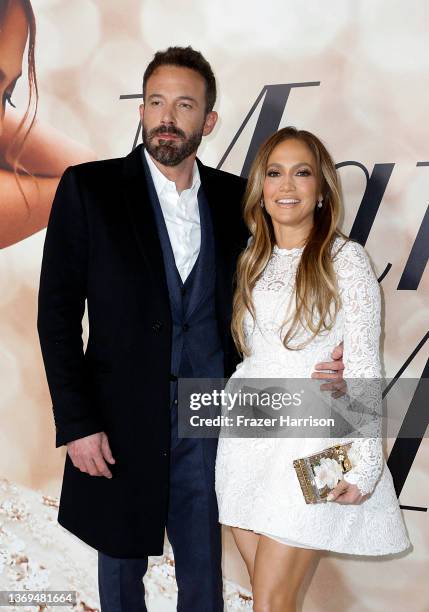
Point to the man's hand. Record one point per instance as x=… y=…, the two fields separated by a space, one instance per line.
x=90 y=454
x=346 y=493
x=337 y=386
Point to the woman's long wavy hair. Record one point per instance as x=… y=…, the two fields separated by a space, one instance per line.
x=316 y=295
x=17 y=144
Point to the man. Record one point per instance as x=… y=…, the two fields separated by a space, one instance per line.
x=151 y=242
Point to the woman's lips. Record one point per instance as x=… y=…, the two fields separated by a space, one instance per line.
x=287 y=202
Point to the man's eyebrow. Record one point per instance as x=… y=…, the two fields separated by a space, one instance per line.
x=187 y=98
x=158 y=95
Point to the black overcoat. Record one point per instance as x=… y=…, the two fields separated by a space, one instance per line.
x=102 y=246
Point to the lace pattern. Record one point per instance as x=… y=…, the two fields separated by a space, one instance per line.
x=256 y=485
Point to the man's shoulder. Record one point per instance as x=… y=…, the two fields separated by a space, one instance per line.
x=96 y=168
x=101 y=179
x=213 y=174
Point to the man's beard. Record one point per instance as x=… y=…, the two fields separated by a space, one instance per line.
x=171 y=153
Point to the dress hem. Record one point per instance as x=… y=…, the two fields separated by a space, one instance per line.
x=318 y=548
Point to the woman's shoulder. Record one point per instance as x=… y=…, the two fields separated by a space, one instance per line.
x=347 y=251
x=352 y=264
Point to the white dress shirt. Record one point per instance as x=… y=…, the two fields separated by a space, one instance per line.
x=181 y=215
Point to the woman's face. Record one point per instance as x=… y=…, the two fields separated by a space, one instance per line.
x=291 y=186
x=13 y=38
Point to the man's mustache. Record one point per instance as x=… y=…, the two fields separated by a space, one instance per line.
x=166 y=129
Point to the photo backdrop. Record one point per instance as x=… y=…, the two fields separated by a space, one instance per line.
x=356 y=74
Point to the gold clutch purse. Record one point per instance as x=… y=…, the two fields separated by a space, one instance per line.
x=318 y=474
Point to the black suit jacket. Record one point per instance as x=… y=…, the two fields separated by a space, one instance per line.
x=102 y=246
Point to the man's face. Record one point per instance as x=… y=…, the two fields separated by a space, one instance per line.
x=174 y=114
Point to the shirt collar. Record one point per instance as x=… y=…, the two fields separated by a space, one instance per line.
x=161 y=182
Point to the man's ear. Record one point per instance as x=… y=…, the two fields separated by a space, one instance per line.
x=210 y=122
x=141 y=111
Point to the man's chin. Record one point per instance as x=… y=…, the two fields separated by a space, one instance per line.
x=168 y=155
x=173 y=153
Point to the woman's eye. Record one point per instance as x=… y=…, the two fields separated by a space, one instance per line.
x=273 y=173
x=303 y=173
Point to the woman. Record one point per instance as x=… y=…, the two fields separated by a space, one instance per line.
x=32 y=157
x=302 y=288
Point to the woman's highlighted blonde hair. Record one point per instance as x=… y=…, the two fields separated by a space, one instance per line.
x=316 y=294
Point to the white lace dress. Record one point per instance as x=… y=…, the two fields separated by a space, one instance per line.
x=256 y=484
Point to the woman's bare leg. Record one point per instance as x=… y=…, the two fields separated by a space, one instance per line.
x=278 y=573
x=247 y=543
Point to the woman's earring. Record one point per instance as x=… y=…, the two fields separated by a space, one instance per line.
x=261 y=203
x=320 y=203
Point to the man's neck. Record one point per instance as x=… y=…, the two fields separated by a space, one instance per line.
x=181 y=174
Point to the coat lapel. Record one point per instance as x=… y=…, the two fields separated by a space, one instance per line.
x=202 y=263
x=174 y=282
x=142 y=219
x=222 y=240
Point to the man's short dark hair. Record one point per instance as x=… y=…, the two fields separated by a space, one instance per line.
x=185 y=57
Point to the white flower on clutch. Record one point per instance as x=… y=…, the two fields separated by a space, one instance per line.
x=327 y=473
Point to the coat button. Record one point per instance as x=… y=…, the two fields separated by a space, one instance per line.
x=185 y=327
x=157 y=326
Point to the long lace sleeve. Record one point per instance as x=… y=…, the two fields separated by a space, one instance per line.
x=360 y=295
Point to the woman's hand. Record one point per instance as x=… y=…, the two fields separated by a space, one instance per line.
x=332 y=371
x=346 y=493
